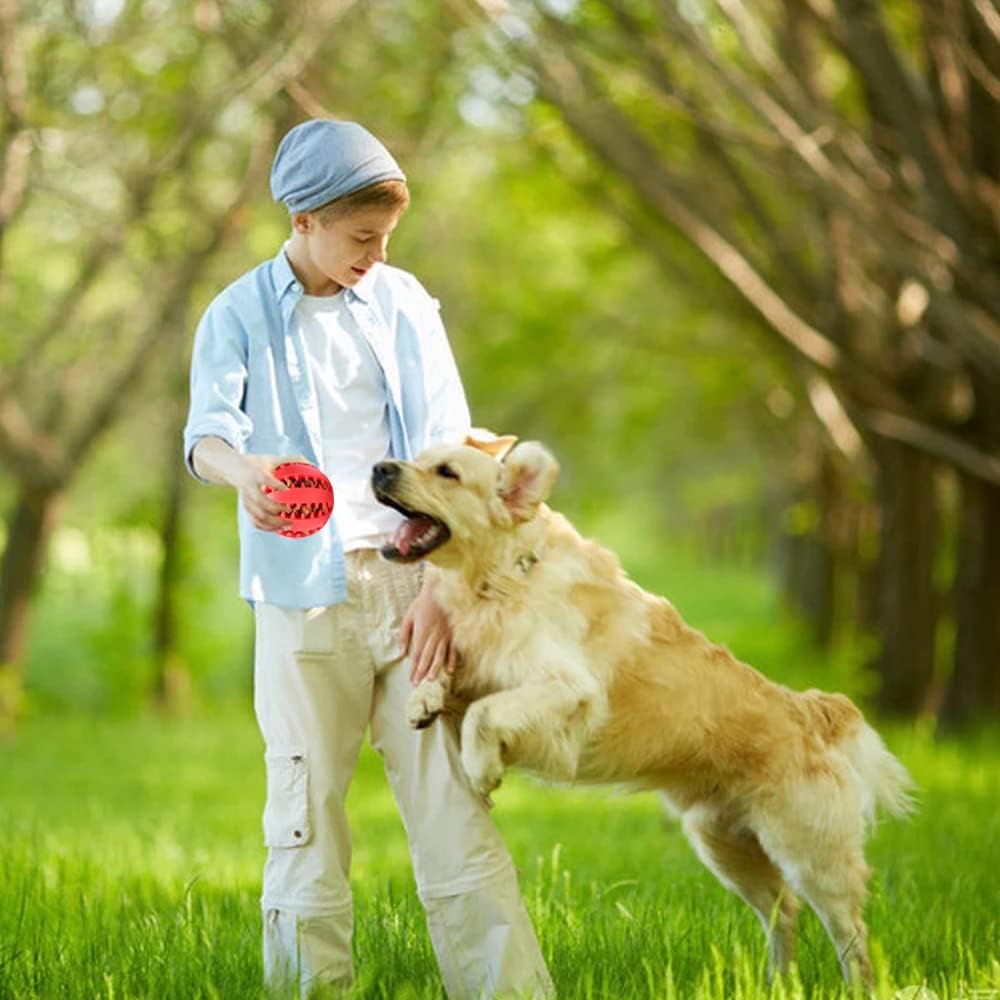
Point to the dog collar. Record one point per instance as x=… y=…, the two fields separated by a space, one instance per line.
x=525 y=562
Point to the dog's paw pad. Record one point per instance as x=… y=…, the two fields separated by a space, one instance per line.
x=424 y=721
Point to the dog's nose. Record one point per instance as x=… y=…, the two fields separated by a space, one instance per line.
x=384 y=475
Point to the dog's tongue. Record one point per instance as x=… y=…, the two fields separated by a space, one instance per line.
x=409 y=531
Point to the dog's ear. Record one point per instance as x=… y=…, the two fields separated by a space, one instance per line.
x=526 y=479
x=495 y=445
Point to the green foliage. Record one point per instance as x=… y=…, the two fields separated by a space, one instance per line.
x=92 y=623
x=566 y=329
x=91 y=641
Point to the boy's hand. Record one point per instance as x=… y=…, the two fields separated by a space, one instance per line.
x=217 y=461
x=426 y=636
x=255 y=473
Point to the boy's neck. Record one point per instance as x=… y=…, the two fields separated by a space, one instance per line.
x=314 y=282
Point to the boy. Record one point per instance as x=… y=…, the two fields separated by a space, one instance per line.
x=327 y=353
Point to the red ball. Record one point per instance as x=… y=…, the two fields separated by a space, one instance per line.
x=308 y=498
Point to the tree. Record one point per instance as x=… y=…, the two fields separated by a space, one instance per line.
x=837 y=164
x=148 y=152
x=132 y=205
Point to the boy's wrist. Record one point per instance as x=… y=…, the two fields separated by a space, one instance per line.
x=218 y=462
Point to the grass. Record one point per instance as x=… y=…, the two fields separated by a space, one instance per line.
x=130 y=857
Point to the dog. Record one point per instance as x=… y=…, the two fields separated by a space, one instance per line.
x=570 y=669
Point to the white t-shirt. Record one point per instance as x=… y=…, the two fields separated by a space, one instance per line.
x=353 y=410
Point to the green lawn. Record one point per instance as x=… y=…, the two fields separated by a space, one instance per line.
x=130 y=855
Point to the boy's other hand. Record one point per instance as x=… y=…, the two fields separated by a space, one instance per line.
x=426 y=636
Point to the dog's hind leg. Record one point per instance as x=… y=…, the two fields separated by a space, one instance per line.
x=835 y=888
x=735 y=856
x=818 y=841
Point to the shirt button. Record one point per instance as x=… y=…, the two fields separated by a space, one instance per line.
x=296 y=287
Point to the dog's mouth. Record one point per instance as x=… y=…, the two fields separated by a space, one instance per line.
x=418 y=536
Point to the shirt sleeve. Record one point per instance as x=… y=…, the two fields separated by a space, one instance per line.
x=447 y=410
x=218 y=383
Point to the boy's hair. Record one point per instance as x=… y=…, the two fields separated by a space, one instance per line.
x=385 y=194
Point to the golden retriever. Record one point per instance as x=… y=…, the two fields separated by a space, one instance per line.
x=572 y=670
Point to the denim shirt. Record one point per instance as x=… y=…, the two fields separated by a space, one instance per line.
x=251 y=386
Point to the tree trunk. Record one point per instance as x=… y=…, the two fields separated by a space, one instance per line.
x=808 y=584
x=813 y=542
x=171 y=681
x=974 y=686
x=907 y=602
x=30 y=523
x=908 y=606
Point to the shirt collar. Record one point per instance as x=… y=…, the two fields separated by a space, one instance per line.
x=285 y=281
x=283 y=276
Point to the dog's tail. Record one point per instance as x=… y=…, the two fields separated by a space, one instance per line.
x=883 y=780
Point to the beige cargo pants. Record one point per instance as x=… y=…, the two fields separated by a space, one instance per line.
x=322 y=676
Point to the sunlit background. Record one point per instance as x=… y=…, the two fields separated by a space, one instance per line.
x=736 y=264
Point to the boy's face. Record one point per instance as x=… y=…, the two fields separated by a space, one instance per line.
x=342 y=251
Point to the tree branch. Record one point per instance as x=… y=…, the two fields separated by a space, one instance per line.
x=268 y=73
x=615 y=140
x=167 y=311
x=898 y=99
x=608 y=134
x=772 y=234
x=32 y=455
x=933 y=442
x=911 y=247
x=839 y=182
x=15 y=139
x=990 y=17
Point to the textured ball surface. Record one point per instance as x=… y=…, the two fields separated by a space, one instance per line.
x=308 y=498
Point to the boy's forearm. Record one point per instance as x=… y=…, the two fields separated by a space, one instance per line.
x=217 y=462
x=252 y=476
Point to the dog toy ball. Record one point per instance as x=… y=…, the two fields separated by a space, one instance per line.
x=307 y=497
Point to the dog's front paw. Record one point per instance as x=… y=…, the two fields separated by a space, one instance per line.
x=483 y=766
x=425 y=703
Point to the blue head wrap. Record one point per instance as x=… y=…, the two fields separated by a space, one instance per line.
x=321 y=160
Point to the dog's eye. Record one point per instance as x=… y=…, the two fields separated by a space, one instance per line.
x=446 y=471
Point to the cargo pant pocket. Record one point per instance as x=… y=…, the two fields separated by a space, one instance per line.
x=286 y=814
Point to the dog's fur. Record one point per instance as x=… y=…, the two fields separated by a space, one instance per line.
x=572 y=670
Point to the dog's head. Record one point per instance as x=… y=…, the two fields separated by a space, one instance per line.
x=455 y=496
